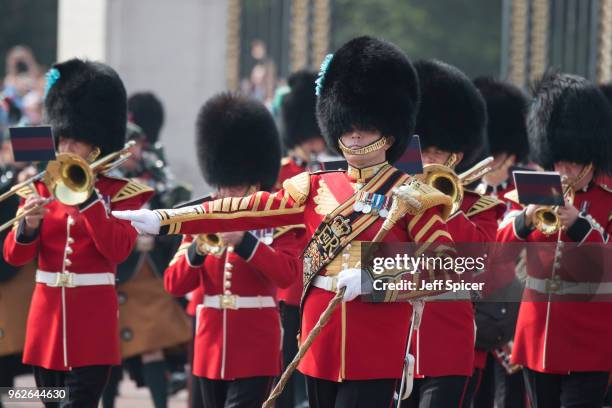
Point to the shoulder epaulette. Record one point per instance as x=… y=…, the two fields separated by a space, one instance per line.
x=283 y=230
x=482 y=204
x=298 y=187
x=285 y=161
x=512 y=195
x=129 y=190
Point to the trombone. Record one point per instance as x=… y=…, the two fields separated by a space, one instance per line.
x=443 y=178
x=69 y=178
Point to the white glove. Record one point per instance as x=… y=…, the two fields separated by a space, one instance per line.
x=145 y=221
x=351 y=280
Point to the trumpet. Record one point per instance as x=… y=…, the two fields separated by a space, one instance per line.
x=69 y=178
x=443 y=178
x=210 y=244
x=546 y=219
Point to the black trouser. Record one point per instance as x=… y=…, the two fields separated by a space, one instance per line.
x=438 y=392
x=577 y=389
x=153 y=375
x=85 y=384
x=295 y=390
x=350 y=394
x=241 y=393
x=494 y=387
x=10 y=367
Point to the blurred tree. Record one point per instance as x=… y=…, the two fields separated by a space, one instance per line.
x=465 y=33
x=32 y=23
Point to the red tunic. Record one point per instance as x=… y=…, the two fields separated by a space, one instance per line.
x=291 y=295
x=561 y=336
x=77 y=326
x=361 y=340
x=444 y=343
x=240 y=343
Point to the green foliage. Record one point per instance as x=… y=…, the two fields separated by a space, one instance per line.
x=465 y=33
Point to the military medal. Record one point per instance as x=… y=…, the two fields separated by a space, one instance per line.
x=367 y=206
x=377 y=203
x=384 y=211
x=358 y=206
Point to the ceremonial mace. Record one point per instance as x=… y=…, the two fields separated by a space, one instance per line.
x=404 y=200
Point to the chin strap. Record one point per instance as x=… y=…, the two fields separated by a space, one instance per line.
x=372 y=147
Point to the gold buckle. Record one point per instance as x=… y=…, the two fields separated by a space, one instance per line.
x=65 y=279
x=553 y=285
x=229 y=302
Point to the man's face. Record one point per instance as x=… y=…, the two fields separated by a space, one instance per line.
x=572 y=171
x=313 y=146
x=433 y=155
x=357 y=139
x=68 y=145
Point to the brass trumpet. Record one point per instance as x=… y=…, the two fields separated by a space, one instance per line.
x=443 y=178
x=69 y=178
x=210 y=244
x=546 y=219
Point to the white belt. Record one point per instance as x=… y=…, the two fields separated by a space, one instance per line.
x=71 y=280
x=328 y=283
x=238 y=302
x=560 y=287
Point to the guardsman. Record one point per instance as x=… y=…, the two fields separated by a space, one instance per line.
x=304 y=141
x=298 y=126
x=368 y=96
x=496 y=380
x=506 y=134
x=564 y=345
x=451 y=124
x=16 y=284
x=152 y=324
x=238 y=332
x=71 y=334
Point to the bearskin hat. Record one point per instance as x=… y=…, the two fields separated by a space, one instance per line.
x=369 y=84
x=147 y=111
x=506 y=117
x=453 y=114
x=237 y=142
x=86 y=101
x=570 y=120
x=298 y=117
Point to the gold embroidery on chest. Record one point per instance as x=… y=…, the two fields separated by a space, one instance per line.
x=325 y=200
